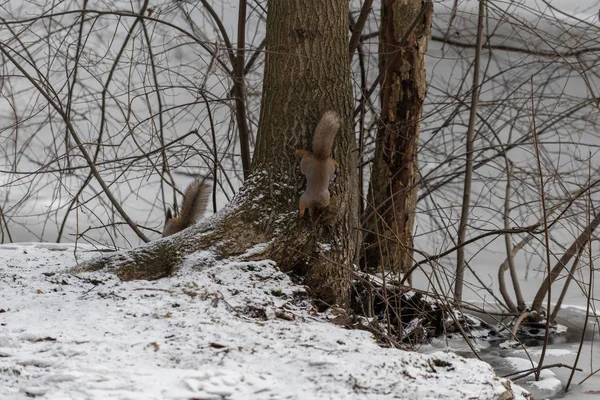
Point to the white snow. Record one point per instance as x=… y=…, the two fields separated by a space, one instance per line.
x=548 y=381
x=229 y=331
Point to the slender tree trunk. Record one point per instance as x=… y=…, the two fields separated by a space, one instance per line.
x=307 y=71
x=466 y=201
x=561 y=265
x=392 y=195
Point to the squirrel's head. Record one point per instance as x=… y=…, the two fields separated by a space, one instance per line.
x=315 y=214
x=317 y=206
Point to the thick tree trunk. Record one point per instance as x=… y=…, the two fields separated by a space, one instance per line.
x=307 y=71
x=392 y=197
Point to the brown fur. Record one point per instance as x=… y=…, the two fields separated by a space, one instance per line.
x=318 y=166
x=195 y=200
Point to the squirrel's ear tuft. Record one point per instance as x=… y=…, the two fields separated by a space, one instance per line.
x=169 y=215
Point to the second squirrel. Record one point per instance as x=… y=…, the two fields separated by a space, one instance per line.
x=318 y=166
x=195 y=200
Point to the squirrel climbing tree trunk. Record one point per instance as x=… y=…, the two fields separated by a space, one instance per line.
x=306 y=72
x=392 y=197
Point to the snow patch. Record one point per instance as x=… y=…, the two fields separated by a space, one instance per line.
x=232 y=330
x=548 y=382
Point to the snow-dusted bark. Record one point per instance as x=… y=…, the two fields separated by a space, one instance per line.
x=307 y=71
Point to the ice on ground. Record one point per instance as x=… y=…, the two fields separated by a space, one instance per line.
x=537 y=351
x=229 y=331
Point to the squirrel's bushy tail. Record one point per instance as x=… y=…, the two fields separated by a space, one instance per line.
x=327 y=127
x=195 y=200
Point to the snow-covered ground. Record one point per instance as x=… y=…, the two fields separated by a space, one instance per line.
x=233 y=330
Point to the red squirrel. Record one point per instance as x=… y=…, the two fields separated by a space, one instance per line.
x=195 y=200
x=318 y=166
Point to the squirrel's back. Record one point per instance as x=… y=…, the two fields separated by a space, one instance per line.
x=318 y=166
x=327 y=127
x=195 y=200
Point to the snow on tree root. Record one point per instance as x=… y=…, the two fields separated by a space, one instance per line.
x=235 y=330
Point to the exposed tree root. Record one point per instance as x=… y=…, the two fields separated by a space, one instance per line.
x=252 y=227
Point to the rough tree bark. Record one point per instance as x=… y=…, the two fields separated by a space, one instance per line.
x=307 y=71
x=392 y=194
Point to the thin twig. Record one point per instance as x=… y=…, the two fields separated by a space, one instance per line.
x=526 y=372
x=591 y=277
x=509 y=262
x=546 y=234
x=358 y=27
